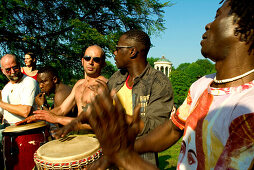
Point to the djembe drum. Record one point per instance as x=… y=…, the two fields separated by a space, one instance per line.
x=72 y=152
x=20 y=143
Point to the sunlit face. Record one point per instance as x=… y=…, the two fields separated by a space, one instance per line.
x=11 y=69
x=29 y=61
x=92 y=67
x=46 y=82
x=219 y=38
x=122 y=53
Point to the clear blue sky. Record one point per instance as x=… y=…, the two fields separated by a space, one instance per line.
x=185 y=24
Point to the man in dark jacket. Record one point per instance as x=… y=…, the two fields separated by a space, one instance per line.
x=138 y=83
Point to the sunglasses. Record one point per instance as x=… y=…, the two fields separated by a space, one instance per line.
x=119 y=47
x=95 y=59
x=15 y=68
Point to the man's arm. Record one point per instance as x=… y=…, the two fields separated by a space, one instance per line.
x=159 y=139
x=68 y=103
x=21 y=110
x=28 y=94
x=61 y=94
x=159 y=105
x=108 y=122
x=52 y=118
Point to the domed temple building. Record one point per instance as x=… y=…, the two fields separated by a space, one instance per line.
x=163 y=65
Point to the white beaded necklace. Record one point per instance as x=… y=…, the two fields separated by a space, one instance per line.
x=232 y=79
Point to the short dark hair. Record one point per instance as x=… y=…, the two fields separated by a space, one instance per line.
x=31 y=54
x=48 y=69
x=244 y=9
x=139 y=36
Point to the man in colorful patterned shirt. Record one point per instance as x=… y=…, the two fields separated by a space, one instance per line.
x=217 y=117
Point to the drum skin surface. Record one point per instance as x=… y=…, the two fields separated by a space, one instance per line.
x=72 y=152
x=20 y=144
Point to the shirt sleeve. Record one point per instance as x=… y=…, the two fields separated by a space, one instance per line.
x=29 y=91
x=180 y=116
x=159 y=105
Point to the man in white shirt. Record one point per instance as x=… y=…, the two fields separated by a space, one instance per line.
x=17 y=98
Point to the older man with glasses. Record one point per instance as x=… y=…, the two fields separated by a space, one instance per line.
x=17 y=96
x=93 y=61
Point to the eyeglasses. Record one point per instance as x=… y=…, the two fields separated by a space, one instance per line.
x=119 y=47
x=95 y=59
x=15 y=68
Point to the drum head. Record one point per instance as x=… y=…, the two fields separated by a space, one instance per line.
x=71 y=148
x=21 y=128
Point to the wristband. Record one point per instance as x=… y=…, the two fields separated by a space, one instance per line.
x=41 y=107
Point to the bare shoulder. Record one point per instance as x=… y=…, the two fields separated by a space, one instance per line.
x=62 y=92
x=79 y=82
x=63 y=89
x=103 y=79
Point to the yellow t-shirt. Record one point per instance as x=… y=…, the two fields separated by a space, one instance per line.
x=125 y=97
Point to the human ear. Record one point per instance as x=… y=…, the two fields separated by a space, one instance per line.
x=134 y=53
x=2 y=70
x=55 y=79
x=82 y=61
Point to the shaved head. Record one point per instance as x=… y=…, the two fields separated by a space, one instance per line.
x=7 y=58
x=11 y=68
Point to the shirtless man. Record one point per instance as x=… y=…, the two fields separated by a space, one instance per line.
x=50 y=83
x=93 y=61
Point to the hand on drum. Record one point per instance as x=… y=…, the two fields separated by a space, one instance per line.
x=74 y=125
x=39 y=115
x=109 y=123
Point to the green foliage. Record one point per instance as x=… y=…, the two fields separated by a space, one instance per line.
x=3 y=80
x=108 y=70
x=151 y=60
x=59 y=31
x=186 y=74
x=168 y=159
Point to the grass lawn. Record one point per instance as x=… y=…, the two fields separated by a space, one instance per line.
x=168 y=158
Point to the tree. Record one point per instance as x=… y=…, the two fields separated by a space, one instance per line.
x=3 y=80
x=186 y=74
x=151 y=60
x=108 y=70
x=58 y=31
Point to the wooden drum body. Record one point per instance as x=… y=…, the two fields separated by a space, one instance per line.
x=72 y=152
x=20 y=143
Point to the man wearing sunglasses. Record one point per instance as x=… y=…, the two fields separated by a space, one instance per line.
x=93 y=61
x=139 y=83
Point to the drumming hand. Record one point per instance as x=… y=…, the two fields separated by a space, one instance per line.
x=27 y=120
x=102 y=163
x=40 y=99
x=39 y=115
x=45 y=115
x=109 y=123
x=74 y=125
